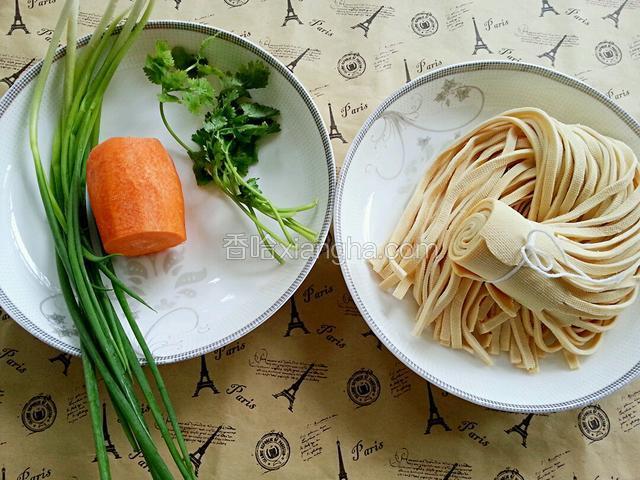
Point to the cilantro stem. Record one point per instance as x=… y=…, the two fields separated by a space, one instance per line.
x=250 y=214
x=266 y=242
x=173 y=134
x=258 y=194
x=292 y=210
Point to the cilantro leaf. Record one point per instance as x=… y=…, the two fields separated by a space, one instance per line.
x=174 y=70
x=183 y=59
x=198 y=94
x=165 y=97
x=256 y=110
x=175 y=80
x=158 y=65
x=200 y=164
x=228 y=97
x=204 y=69
x=253 y=132
x=253 y=75
x=196 y=65
x=245 y=157
x=246 y=195
x=231 y=84
x=160 y=69
x=214 y=122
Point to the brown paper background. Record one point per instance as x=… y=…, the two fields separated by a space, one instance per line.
x=391 y=431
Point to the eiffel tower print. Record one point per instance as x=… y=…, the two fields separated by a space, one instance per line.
x=333 y=129
x=295 y=321
x=342 y=474
x=11 y=79
x=290 y=393
x=105 y=435
x=178 y=2
x=546 y=7
x=521 y=429
x=615 y=15
x=551 y=54
x=366 y=24
x=64 y=359
x=450 y=472
x=370 y=333
x=17 y=24
x=205 y=381
x=406 y=71
x=434 y=416
x=295 y=61
x=196 y=457
x=480 y=45
x=291 y=15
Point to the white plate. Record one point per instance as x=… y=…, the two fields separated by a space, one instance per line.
x=388 y=157
x=203 y=300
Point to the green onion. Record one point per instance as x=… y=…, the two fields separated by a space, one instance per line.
x=82 y=266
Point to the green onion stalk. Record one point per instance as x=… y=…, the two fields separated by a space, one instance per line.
x=85 y=273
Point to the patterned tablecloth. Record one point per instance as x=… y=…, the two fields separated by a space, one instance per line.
x=253 y=407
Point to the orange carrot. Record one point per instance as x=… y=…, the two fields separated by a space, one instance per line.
x=136 y=196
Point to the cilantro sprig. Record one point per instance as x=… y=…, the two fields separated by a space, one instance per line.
x=227 y=142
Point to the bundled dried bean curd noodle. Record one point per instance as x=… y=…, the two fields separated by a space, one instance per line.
x=523 y=237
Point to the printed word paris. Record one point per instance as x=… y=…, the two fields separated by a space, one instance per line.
x=328 y=330
x=311 y=293
x=27 y=474
x=39 y=3
x=576 y=14
x=140 y=459
x=228 y=350
x=359 y=449
x=492 y=24
x=350 y=109
x=424 y=65
x=46 y=33
x=469 y=425
x=238 y=389
x=617 y=94
x=508 y=52
x=8 y=354
x=319 y=24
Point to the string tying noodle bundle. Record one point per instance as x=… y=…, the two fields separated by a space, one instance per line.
x=522 y=237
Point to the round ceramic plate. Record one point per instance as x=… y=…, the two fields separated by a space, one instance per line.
x=218 y=285
x=389 y=156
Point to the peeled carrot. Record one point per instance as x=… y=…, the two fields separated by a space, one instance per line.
x=136 y=196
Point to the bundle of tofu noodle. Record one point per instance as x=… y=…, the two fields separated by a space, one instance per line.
x=522 y=237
